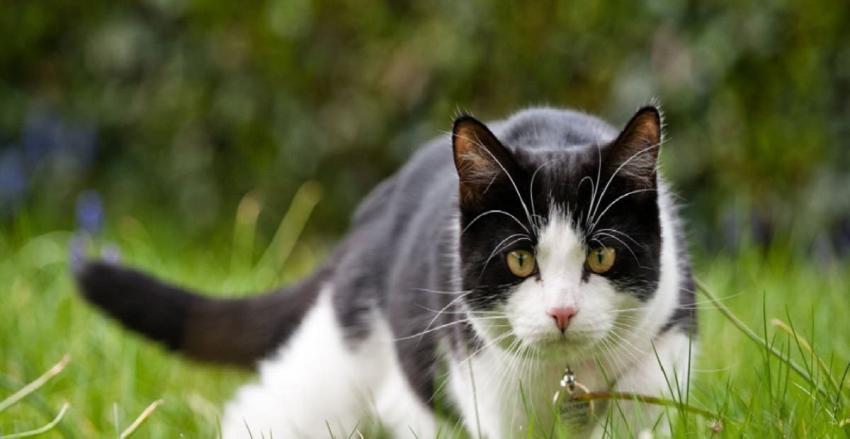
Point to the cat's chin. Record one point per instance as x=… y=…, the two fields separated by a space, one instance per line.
x=558 y=347
x=565 y=343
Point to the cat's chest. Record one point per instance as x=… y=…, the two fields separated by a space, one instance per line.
x=507 y=395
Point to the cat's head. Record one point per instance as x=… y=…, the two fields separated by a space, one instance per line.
x=560 y=238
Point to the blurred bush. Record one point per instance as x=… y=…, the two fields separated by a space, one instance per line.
x=185 y=106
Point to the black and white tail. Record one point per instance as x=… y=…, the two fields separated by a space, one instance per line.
x=230 y=331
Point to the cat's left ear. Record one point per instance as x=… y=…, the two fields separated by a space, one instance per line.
x=634 y=155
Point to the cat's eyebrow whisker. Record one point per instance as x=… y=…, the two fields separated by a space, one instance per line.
x=531 y=188
x=621 y=233
x=490 y=212
x=534 y=215
x=592 y=193
x=617 y=171
x=588 y=215
x=539 y=221
x=618 y=199
x=499 y=247
x=478 y=143
x=621 y=242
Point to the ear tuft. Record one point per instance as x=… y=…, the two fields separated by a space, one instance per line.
x=645 y=126
x=479 y=157
x=635 y=152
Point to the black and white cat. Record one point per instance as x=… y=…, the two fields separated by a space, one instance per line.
x=546 y=240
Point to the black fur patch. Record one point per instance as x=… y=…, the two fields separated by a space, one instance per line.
x=140 y=302
x=230 y=331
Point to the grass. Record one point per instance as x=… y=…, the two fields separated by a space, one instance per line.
x=798 y=308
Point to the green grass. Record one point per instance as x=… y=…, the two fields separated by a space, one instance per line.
x=113 y=375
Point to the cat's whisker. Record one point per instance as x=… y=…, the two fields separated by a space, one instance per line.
x=534 y=215
x=462 y=312
x=514 y=352
x=616 y=348
x=696 y=305
x=448 y=305
x=478 y=143
x=621 y=233
x=626 y=246
x=595 y=187
x=623 y=243
x=617 y=171
x=519 y=370
x=494 y=211
x=497 y=339
x=469 y=314
x=592 y=194
x=618 y=199
x=430 y=330
x=502 y=245
x=447 y=293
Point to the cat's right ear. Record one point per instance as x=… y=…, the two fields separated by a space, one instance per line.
x=480 y=158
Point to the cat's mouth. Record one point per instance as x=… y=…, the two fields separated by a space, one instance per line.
x=564 y=340
x=550 y=344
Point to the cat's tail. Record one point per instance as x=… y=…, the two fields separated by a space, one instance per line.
x=231 y=331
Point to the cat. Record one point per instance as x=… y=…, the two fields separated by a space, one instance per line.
x=501 y=254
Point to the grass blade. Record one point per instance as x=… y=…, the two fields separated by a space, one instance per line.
x=36 y=384
x=621 y=396
x=43 y=429
x=144 y=415
x=244 y=229
x=288 y=232
x=758 y=339
x=806 y=347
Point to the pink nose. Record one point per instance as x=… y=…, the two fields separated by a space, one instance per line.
x=562 y=316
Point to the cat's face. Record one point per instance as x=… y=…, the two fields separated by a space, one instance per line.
x=560 y=246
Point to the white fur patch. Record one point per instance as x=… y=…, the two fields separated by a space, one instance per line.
x=560 y=258
x=317 y=386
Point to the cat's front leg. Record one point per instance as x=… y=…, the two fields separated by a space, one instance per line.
x=663 y=372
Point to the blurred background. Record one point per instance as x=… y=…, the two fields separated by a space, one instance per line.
x=224 y=145
x=171 y=111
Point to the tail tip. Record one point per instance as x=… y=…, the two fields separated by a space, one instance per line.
x=79 y=260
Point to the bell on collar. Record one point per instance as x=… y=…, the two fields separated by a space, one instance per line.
x=570 y=410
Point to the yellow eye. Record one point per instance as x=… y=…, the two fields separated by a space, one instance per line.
x=601 y=259
x=521 y=263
